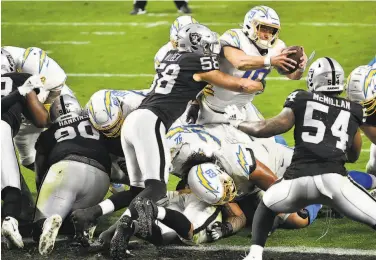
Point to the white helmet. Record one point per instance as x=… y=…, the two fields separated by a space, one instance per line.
x=212 y=185
x=361 y=84
x=199 y=39
x=261 y=16
x=105 y=113
x=7 y=62
x=64 y=107
x=35 y=61
x=179 y=23
x=325 y=75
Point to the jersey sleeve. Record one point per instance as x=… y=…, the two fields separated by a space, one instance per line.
x=45 y=141
x=230 y=38
x=293 y=99
x=162 y=53
x=198 y=63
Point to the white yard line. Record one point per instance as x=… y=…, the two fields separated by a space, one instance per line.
x=160 y=23
x=301 y=249
x=103 y=33
x=65 y=42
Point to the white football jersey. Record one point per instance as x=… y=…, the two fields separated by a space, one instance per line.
x=236 y=152
x=220 y=98
x=162 y=53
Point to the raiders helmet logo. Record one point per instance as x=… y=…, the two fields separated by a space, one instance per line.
x=194 y=38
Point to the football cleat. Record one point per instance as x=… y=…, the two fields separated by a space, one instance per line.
x=185 y=9
x=147 y=212
x=51 y=228
x=84 y=222
x=10 y=231
x=137 y=11
x=120 y=240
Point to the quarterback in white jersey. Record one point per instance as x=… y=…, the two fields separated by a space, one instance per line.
x=36 y=61
x=175 y=26
x=250 y=52
x=361 y=88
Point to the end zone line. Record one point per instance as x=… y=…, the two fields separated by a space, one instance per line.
x=302 y=249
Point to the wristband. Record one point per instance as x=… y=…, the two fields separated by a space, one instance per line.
x=267 y=61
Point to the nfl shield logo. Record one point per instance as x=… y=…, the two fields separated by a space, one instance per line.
x=195 y=38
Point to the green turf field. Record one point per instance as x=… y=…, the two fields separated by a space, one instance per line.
x=113 y=42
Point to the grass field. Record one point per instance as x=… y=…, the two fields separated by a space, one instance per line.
x=109 y=41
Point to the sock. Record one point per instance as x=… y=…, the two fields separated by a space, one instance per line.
x=12 y=198
x=123 y=199
x=262 y=224
x=107 y=206
x=161 y=213
x=313 y=210
x=178 y=222
x=140 y=4
x=154 y=190
x=366 y=180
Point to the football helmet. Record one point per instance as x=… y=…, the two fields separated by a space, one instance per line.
x=199 y=39
x=211 y=184
x=325 y=75
x=64 y=107
x=105 y=113
x=261 y=16
x=177 y=24
x=36 y=61
x=361 y=84
x=7 y=62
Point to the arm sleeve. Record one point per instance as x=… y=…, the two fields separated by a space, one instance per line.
x=292 y=100
x=11 y=99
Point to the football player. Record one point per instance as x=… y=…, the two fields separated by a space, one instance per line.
x=181 y=75
x=36 y=61
x=172 y=44
x=361 y=88
x=17 y=98
x=250 y=52
x=72 y=156
x=326 y=136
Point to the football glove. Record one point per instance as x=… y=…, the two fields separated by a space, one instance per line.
x=30 y=84
x=234 y=115
x=219 y=230
x=192 y=113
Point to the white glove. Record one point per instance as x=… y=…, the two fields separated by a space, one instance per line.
x=30 y=84
x=234 y=115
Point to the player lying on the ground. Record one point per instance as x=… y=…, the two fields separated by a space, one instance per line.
x=72 y=157
x=326 y=136
x=17 y=99
x=35 y=61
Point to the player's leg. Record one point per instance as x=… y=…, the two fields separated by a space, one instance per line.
x=183 y=7
x=138 y=7
x=25 y=141
x=351 y=199
x=371 y=164
x=10 y=188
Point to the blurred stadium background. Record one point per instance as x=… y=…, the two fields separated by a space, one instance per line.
x=99 y=45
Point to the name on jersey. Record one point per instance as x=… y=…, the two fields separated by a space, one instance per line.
x=172 y=57
x=72 y=120
x=334 y=102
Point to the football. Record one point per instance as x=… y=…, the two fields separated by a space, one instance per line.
x=295 y=56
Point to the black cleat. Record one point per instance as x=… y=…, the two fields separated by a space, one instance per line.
x=120 y=240
x=147 y=212
x=137 y=11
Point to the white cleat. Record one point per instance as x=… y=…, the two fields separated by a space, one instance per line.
x=9 y=230
x=50 y=229
x=252 y=257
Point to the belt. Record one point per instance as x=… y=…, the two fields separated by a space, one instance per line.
x=85 y=160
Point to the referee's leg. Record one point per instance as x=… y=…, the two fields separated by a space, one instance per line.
x=183 y=7
x=139 y=7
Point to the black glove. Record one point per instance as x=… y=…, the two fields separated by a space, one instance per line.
x=192 y=113
x=219 y=230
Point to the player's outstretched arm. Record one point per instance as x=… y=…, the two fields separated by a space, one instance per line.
x=38 y=112
x=220 y=79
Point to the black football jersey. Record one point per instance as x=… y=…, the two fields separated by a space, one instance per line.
x=324 y=131
x=13 y=114
x=73 y=136
x=173 y=86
